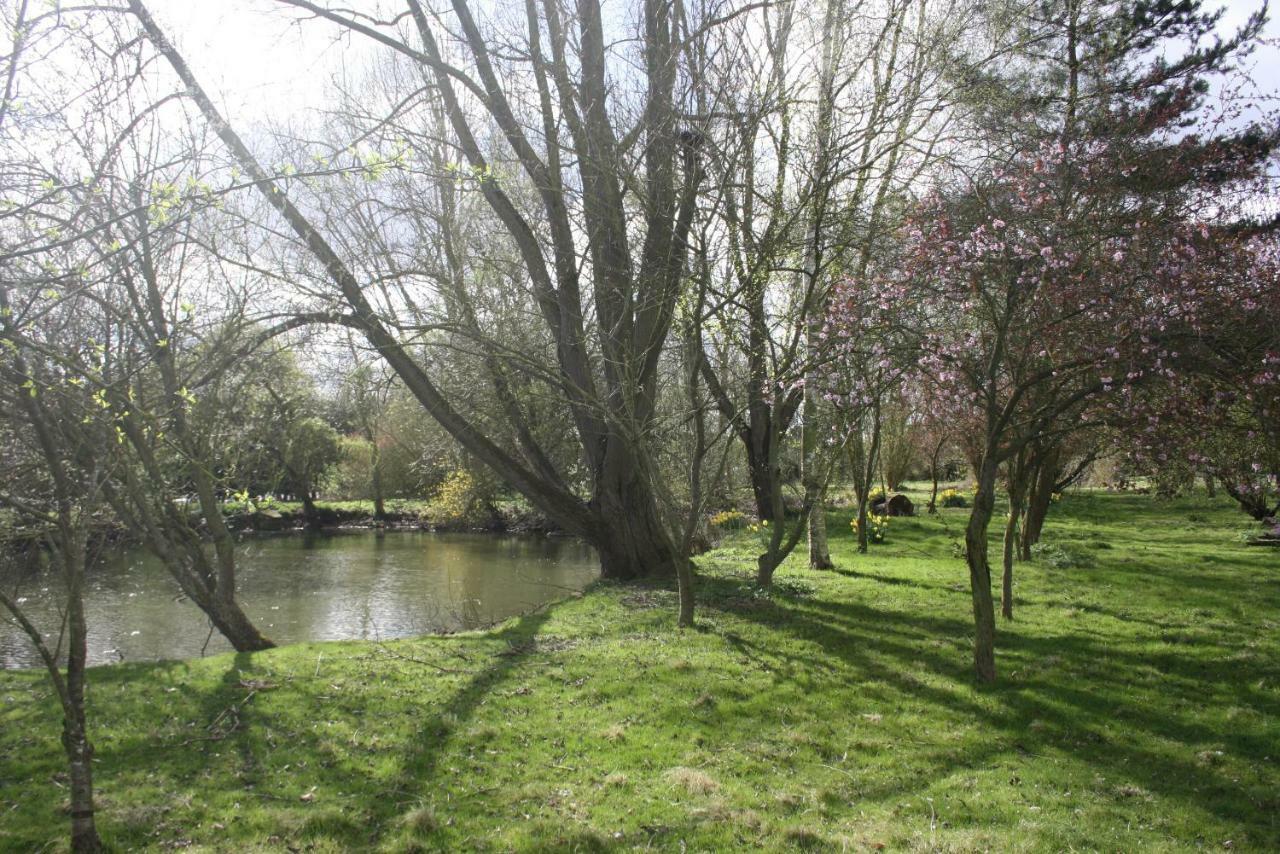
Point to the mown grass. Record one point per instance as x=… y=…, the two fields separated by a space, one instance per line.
x=1136 y=710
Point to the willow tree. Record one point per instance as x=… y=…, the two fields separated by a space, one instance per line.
x=592 y=176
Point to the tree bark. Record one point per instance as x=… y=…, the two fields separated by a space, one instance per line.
x=375 y=477
x=1046 y=467
x=75 y=737
x=975 y=539
x=819 y=551
x=933 y=473
x=626 y=531
x=1017 y=493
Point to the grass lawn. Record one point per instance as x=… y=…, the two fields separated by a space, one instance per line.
x=1138 y=708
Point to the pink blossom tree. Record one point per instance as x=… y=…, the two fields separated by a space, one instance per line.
x=1220 y=411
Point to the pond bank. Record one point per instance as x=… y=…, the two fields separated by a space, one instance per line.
x=506 y=517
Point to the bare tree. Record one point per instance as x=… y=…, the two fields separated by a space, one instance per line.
x=829 y=120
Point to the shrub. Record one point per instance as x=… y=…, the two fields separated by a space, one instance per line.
x=875 y=494
x=877 y=527
x=953 y=498
x=456 y=500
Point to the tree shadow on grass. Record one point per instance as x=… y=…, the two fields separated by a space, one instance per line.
x=1122 y=731
x=266 y=737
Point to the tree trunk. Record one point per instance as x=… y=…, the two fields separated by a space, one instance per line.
x=627 y=532
x=1017 y=494
x=766 y=563
x=222 y=608
x=933 y=473
x=684 y=579
x=1006 y=585
x=975 y=540
x=232 y=623
x=864 y=543
x=75 y=741
x=1209 y=486
x=1046 y=467
x=764 y=479
x=75 y=736
x=819 y=552
x=309 y=508
x=375 y=476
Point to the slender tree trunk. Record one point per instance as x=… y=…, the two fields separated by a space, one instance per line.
x=819 y=551
x=375 y=476
x=1017 y=495
x=1046 y=468
x=1006 y=584
x=233 y=624
x=864 y=542
x=761 y=470
x=223 y=609
x=75 y=735
x=1209 y=485
x=933 y=473
x=867 y=477
x=975 y=539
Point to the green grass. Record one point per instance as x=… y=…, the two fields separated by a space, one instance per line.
x=1136 y=710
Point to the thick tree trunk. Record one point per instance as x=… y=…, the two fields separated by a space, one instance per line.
x=626 y=531
x=975 y=540
x=309 y=509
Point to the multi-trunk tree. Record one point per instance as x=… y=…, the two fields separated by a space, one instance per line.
x=592 y=179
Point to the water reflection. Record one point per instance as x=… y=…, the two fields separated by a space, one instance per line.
x=327 y=586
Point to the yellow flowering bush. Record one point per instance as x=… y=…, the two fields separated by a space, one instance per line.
x=455 y=498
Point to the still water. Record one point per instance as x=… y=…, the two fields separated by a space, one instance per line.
x=301 y=587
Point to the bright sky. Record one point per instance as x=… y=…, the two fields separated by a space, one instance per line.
x=264 y=64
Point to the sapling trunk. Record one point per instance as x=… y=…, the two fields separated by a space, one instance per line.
x=975 y=538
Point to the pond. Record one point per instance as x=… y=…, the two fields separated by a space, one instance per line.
x=303 y=587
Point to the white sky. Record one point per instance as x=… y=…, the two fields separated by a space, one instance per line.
x=262 y=64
